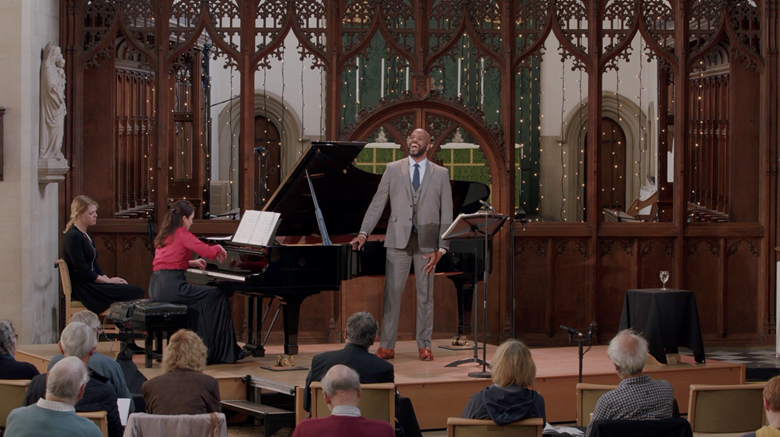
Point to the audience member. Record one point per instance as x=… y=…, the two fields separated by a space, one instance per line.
x=78 y=340
x=55 y=415
x=772 y=409
x=341 y=387
x=183 y=388
x=637 y=397
x=360 y=333
x=9 y=367
x=99 y=362
x=509 y=399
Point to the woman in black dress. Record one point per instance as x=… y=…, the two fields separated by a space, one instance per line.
x=88 y=282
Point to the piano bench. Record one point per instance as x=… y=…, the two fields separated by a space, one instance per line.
x=273 y=418
x=156 y=319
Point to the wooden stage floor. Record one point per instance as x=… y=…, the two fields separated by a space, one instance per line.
x=438 y=392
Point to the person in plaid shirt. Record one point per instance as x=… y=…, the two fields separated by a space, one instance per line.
x=637 y=397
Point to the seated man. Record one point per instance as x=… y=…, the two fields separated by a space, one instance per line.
x=361 y=332
x=341 y=387
x=772 y=408
x=98 y=362
x=637 y=397
x=78 y=340
x=55 y=416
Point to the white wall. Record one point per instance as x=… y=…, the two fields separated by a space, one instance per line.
x=301 y=106
x=29 y=224
x=559 y=82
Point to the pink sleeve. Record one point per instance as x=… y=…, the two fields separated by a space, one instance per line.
x=192 y=243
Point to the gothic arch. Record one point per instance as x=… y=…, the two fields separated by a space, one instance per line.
x=489 y=140
x=268 y=105
x=574 y=135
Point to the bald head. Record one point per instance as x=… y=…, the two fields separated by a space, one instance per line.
x=341 y=386
x=628 y=350
x=66 y=381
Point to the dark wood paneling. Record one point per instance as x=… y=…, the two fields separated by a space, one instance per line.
x=532 y=285
x=134 y=261
x=702 y=260
x=744 y=157
x=741 y=292
x=617 y=260
x=655 y=255
x=570 y=284
x=99 y=158
x=106 y=245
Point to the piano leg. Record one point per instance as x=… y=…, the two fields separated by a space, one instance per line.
x=291 y=310
x=254 y=325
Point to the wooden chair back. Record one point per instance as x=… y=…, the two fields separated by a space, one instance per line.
x=190 y=425
x=99 y=417
x=377 y=401
x=12 y=393
x=458 y=427
x=74 y=306
x=726 y=408
x=71 y=306
x=638 y=205
x=587 y=396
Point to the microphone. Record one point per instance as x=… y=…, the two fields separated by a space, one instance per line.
x=486 y=205
x=571 y=331
x=591 y=328
x=259 y=150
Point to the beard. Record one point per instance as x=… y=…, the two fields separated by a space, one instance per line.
x=420 y=152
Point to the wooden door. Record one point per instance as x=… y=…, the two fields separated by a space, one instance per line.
x=612 y=165
x=267 y=160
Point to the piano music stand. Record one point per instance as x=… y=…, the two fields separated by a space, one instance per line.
x=475 y=227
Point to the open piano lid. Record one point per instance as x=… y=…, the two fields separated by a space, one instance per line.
x=344 y=192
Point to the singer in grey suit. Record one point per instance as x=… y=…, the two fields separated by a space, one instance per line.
x=420 y=199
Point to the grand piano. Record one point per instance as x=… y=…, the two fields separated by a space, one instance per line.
x=325 y=194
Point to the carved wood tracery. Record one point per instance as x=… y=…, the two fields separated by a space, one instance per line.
x=156 y=36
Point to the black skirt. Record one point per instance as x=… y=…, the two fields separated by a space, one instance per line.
x=98 y=297
x=208 y=312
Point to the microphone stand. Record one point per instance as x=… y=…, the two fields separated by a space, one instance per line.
x=580 y=352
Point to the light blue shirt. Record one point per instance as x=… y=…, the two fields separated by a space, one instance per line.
x=346 y=410
x=423 y=165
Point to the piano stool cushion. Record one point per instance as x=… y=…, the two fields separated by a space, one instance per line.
x=158 y=316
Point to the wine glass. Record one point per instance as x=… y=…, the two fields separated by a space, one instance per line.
x=664 y=277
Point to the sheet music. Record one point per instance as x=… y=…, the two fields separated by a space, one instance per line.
x=257 y=228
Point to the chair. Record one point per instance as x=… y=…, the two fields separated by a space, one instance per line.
x=676 y=427
x=195 y=425
x=720 y=409
x=457 y=427
x=100 y=418
x=12 y=393
x=587 y=396
x=377 y=401
x=74 y=306
x=638 y=205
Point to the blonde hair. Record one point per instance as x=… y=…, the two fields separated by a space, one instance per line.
x=772 y=394
x=78 y=206
x=512 y=365
x=185 y=351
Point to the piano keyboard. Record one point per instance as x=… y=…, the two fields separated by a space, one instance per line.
x=218 y=275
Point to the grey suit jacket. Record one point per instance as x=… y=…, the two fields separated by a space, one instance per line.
x=434 y=207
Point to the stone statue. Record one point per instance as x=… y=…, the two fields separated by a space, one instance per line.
x=52 y=103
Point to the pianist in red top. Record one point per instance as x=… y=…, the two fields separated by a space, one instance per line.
x=208 y=307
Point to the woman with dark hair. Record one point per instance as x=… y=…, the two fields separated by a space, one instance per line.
x=90 y=285
x=208 y=308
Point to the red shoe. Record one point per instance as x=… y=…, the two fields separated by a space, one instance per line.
x=425 y=354
x=387 y=354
